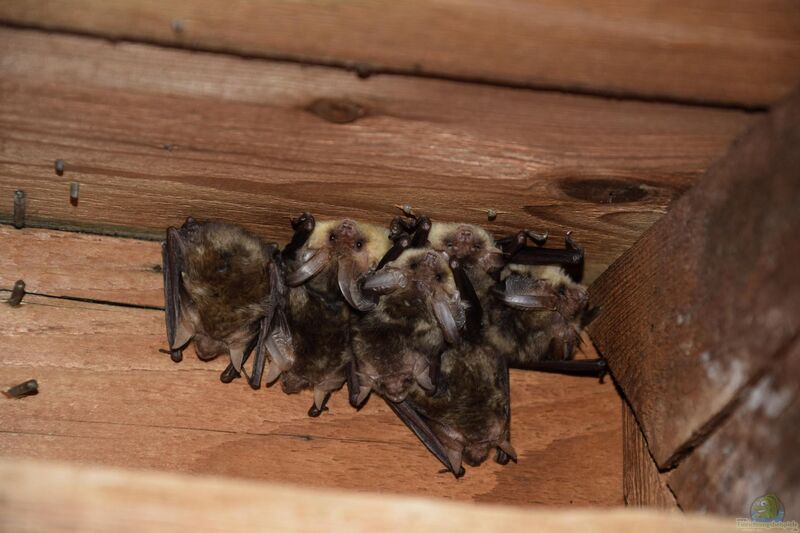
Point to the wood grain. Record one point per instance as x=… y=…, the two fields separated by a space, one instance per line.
x=107 y=396
x=104 y=499
x=704 y=302
x=752 y=453
x=60 y=263
x=744 y=52
x=241 y=145
x=642 y=484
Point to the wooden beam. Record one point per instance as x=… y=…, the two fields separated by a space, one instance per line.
x=107 y=396
x=76 y=265
x=642 y=484
x=752 y=453
x=743 y=52
x=153 y=135
x=55 y=497
x=704 y=302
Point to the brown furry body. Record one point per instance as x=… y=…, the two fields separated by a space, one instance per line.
x=397 y=343
x=524 y=336
x=335 y=256
x=470 y=414
x=225 y=287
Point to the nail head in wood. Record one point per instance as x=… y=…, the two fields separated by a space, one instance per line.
x=74 y=192
x=491 y=214
x=28 y=388
x=17 y=293
x=177 y=26
x=19 y=209
x=60 y=167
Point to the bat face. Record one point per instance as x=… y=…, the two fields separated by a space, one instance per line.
x=543 y=288
x=336 y=255
x=542 y=315
x=398 y=343
x=470 y=245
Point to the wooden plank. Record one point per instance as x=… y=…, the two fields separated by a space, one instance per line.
x=642 y=484
x=752 y=453
x=103 y=499
x=60 y=263
x=743 y=52
x=107 y=396
x=701 y=305
x=244 y=147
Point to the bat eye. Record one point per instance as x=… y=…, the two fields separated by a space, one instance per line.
x=449 y=244
x=439 y=277
x=414 y=265
x=333 y=237
x=359 y=244
x=562 y=290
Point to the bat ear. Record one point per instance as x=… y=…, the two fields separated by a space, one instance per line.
x=525 y=294
x=309 y=268
x=350 y=286
x=385 y=281
x=447 y=322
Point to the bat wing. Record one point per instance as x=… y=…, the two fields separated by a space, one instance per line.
x=179 y=331
x=409 y=413
x=274 y=336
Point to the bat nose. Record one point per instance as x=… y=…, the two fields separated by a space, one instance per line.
x=396 y=387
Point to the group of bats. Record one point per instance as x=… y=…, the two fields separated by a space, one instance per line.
x=427 y=315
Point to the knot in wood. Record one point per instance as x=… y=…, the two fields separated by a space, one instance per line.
x=338 y=111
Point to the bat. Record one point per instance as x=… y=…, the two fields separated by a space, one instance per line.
x=399 y=341
x=470 y=415
x=482 y=258
x=469 y=412
x=224 y=290
x=326 y=262
x=539 y=325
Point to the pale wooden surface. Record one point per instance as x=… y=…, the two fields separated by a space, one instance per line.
x=709 y=297
x=107 y=396
x=245 y=149
x=642 y=484
x=733 y=51
x=96 y=267
x=754 y=451
x=43 y=497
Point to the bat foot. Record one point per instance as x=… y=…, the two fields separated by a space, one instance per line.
x=502 y=458
x=314 y=411
x=254 y=382
x=229 y=374
x=457 y=475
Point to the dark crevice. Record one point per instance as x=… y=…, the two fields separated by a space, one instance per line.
x=366 y=70
x=91 y=301
x=710 y=427
x=88 y=229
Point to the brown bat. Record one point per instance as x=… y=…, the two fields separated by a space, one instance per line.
x=224 y=289
x=400 y=340
x=509 y=326
x=326 y=261
x=469 y=413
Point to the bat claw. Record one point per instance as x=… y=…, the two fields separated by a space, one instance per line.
x=314 y=412
x=229 y=374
